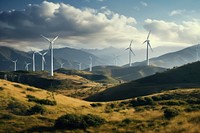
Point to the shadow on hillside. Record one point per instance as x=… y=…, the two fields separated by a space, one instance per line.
x=39 y=129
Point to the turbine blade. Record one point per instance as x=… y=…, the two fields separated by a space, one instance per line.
x=132 y=52
x=127 y=48
x=43 y=59
x=45 y=53
x=39 y=53
x=46 y=38
x=148 y=35
x=55 y=39
x=150 y=46
x=145 y=41
x=130 y=43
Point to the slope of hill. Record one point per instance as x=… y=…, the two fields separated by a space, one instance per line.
x=186 y=76
x=23 y=110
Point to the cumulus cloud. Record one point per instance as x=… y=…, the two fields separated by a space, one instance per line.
x=83 y=27
x=185 y=32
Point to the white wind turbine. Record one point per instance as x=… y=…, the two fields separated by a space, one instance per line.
x=51 y=49
x=197 y=52
x=43 y=59
x=34 y=52
x=79 y=65
x=90 y=63
x=15 y=64
x=148 y=45
x=61 y=64
x=26 y=66
x=116 y=57
x=130 y=52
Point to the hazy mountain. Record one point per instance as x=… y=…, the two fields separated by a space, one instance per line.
x=178 y=58
x=187 y=76
x=108 y=54
x=127 y=73
x=71 y=58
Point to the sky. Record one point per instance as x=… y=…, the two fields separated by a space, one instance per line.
x=99 y=23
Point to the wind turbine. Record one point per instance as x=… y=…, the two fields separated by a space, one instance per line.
x=61 y=64
x=34 y=52
x=15 y=64
x=90 y=63
x=197 y=52
x=148 y=45
x=116 y=57
x=43 y=59
x=79 y=65
x=51 y=49
x=26 y=66
x=130 y=52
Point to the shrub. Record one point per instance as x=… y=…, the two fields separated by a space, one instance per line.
x=16 y=85
x=96 y=104
x=37 y=109
x=142 y=101
x=171 y=112
x=192 y=108
x=1 y=88
x=17 y=108
x=73 y=121
x=31 y=89
x=126 y=121
x=40 y=101
x=173 y=102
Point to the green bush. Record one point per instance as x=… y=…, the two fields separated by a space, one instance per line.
x=40 y=101
x=17 y=108
x=192 y=108
x=73 y=121
x=171 y=113
x=126 y=121
x=173 y=102
x=37 y=109
x=1 y=88
x=96 y=104
x=142 y=101
x=16 y=85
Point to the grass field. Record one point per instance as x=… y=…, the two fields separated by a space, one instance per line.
x=142 y=114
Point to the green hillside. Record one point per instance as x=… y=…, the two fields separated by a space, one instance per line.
x=187 y=76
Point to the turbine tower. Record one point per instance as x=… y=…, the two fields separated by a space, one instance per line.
x=116 y=57
x=43 y=59
x=51 y=49
x=197 y=52
x=26 y=66
x=148 y=45
x=130 y=52
x=34 y=52
x=90 y=63
x=79 y=65
x=15 y=64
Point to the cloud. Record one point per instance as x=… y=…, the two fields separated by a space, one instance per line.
x=176 y=12
x=77 y=27
x=143 y=3
x=185 y=32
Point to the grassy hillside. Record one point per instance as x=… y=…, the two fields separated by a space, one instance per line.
x=171 y=111
x=67 y=84
x=187 y=76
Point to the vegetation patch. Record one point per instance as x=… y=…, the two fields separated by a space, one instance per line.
x=37 y=109
x=17 y=86
x=41 y=101
x=17 y=108
x=170 y=113
x=73 y=121
x=96 y=104
x=140 y=101
x=1 y=88
x=31 y=89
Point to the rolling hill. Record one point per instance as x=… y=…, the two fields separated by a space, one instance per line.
x=187 y=76
x=29 y=109
x=127 y=73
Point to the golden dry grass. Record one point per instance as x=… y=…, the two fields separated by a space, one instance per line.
x=149 y=121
